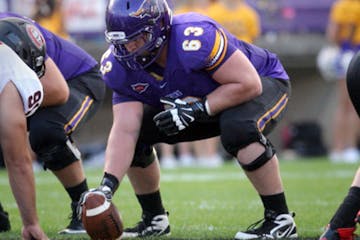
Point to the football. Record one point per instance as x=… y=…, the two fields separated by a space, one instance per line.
x=100 y=217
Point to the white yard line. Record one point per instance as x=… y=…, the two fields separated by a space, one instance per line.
x=209 y=176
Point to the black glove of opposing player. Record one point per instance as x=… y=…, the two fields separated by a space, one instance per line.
x=180 y=115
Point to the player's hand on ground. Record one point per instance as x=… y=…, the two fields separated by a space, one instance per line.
x=33 y=232
x=179 y=115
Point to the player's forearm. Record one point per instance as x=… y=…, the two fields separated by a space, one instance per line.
x=123 y=138
x=230 y=95
x=120 y=148
x=23 y=187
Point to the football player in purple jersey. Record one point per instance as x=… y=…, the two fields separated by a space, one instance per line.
x=51 y=128
x=22 y=61
x=343 y=223
x=184 y=78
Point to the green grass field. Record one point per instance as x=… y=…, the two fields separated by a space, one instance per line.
x=203 y=203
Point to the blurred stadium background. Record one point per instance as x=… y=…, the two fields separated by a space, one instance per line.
x=291 y=28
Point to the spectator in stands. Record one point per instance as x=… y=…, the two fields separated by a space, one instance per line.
x=184 y=157
x=343 y=223
x=344 y=32
x=207 y=153
x=49 y=14
x=237 y=17
x=198 y=6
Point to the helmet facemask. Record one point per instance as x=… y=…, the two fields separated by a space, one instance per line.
x=152 y=27
x=141 y=57
x=39 y=65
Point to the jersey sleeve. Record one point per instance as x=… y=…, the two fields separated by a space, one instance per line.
x=202 y=45
x=115 y=77
x=13 y=69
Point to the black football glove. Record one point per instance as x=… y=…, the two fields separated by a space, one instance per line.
x=179 y=115
x=103 y=190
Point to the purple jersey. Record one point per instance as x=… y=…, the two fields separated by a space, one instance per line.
x=196 y=48
x=69 y=58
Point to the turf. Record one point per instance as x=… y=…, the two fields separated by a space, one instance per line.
x=203 y=203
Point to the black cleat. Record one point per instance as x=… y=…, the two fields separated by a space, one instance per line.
x=273 y=226
x=154 y=226
x=75 y=226
x=4 y=221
